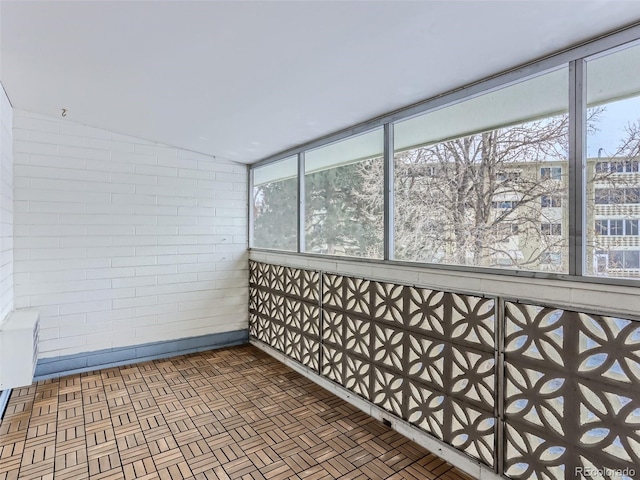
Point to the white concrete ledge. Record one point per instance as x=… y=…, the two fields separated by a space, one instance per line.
x=602 y=299
x=18 y=348
x=20 y=319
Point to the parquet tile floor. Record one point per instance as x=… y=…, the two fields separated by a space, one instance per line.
x=234 y=413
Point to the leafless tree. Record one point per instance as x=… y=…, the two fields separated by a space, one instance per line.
x=461 y=201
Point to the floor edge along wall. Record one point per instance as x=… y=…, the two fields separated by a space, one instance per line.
x=61 y=366
x=444 y=451
x=501 y=387
x=56 y=367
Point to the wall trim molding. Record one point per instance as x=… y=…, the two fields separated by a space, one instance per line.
x=56 y=367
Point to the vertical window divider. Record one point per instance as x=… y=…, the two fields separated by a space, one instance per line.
x=388 y=192
x=301 y=202
x=577 y=167
x=250 y=205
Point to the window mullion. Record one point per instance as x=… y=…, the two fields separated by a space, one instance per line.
x=388 y=192
x=301 y=203
x=251 y=206
x=577 y=170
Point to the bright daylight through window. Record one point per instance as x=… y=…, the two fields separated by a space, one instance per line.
x=275 y=205
x=613 y=180
x=482 y=182
x=344 y=208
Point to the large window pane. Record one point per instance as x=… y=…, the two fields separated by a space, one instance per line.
x=344 y=197
x=484 y=182
x=613 y=181
x=275 y=205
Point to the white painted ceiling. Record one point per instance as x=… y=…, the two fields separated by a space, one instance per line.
x=244 y=80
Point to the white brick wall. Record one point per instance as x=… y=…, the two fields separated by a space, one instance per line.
x=6 y=206
x=120 y=241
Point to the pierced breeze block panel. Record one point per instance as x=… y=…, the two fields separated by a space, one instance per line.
x=564 y=400
x=572 y=393
x=284 y=310
x=425 y=356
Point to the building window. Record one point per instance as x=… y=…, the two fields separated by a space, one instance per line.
x=506 y=231
x=632 y=195
x=617 y=196
x=551 y=228
x=602 y=167
x=625 y=166
x=550 y=258
x=505 y=204
x=624 y=259
x=553 y=173
x=632 y=259
x=603 y=196
x=631 y=166
x=502 y=262
x=275 y=200
x=631 y=227
x=508 y=176
x=616 y=227
x=548 y=201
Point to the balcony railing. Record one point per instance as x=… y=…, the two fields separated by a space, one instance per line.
x=531 y=391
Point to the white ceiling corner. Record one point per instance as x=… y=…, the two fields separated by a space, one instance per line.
x=243 y=80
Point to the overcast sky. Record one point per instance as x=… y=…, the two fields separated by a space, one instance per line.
x=612 y=125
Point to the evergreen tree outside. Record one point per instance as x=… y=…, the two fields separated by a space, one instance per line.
x=275 y=213
x=339 y=219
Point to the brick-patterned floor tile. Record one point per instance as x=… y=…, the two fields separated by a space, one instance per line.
x=226 y=414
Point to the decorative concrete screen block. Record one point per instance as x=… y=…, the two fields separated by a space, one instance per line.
x=284 y=311
x=425 y=356
x=533 y=392
x=18 y=348
x=572 y=392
